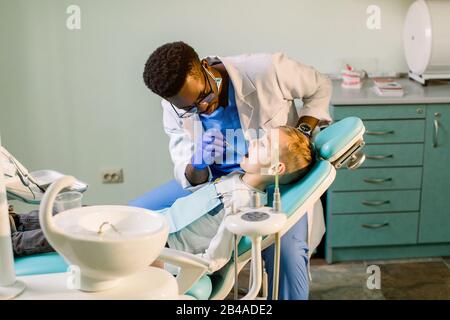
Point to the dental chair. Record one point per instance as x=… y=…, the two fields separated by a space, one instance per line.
x=336 y=146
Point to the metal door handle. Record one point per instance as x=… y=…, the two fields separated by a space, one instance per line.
x=436 y=132
x=374 y=225
x=380 y=157
x=377 y=181
x=375 y=203
x=379 y=133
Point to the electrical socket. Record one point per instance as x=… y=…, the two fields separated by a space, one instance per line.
x=112 y=175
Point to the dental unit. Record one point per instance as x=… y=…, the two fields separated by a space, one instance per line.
x=111 y=247
x=29 y=187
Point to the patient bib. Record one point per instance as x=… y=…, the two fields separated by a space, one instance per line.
x=235 y=192
x=190 y=208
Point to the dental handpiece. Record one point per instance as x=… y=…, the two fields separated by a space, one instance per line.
x=22 y=172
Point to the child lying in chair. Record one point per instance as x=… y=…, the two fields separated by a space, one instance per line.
x=207 y=235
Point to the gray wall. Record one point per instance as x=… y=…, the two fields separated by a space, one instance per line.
x=74 y=101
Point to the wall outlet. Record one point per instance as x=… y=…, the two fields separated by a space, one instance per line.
x=112 y=175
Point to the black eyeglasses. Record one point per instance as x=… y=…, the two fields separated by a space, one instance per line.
x=204 y=97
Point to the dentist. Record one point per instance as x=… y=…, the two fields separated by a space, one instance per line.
x=236 y=93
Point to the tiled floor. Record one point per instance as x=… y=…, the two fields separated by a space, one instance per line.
x=400 y=279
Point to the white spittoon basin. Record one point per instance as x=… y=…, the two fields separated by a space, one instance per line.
x=108 y=244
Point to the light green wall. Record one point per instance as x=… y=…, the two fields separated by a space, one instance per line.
x=74 y=100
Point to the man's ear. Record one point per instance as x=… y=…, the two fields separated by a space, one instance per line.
x=204 y=63
x=279 y=168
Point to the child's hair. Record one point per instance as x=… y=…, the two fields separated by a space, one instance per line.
x=300 y=153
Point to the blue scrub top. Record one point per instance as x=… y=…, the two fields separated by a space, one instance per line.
x=226 y=119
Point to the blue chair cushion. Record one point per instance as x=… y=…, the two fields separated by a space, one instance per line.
x=202 y=289
x=41 y=263
x=336 y=137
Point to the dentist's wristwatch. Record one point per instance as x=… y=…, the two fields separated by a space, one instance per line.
x=305 y=129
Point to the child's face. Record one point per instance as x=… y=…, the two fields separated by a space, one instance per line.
x=262 y=152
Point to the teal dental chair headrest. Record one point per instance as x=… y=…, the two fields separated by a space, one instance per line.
x=335 y=139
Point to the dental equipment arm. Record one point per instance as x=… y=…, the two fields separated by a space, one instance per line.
x=255 y=223
x=26 y=186
x=192 y=267
x=277 y=238
x=21 y=171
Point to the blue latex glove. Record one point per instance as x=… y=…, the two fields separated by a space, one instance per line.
x=207 y=149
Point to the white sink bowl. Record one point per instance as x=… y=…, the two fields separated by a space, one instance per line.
x=130 y=240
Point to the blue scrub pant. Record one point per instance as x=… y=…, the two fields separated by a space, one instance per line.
x=294 y=281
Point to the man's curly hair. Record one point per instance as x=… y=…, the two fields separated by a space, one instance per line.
x=167 y=68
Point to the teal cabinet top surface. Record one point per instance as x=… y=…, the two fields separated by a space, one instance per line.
x=415 y=93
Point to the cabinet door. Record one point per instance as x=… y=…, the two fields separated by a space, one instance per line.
x=435 y=209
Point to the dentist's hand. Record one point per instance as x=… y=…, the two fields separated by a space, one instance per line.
x=207 y=149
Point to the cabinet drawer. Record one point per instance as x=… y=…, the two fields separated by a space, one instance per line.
x=378 y=179
x=375 y=201
x=374 y=229
x=374 y=112
x=387 y=155
x=394 y=131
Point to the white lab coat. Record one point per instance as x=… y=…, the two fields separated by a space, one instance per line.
x=265 y=86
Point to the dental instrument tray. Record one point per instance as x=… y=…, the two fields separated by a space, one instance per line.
x=30 y=187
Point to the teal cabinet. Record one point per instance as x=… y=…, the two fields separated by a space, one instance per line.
x=393 y=155
x=397 y=204
x=435 y=209
x=376 y=201
x=375 y=229
x=379 y=179
x=394 y=131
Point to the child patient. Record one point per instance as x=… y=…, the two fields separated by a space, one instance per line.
x=207 y=236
